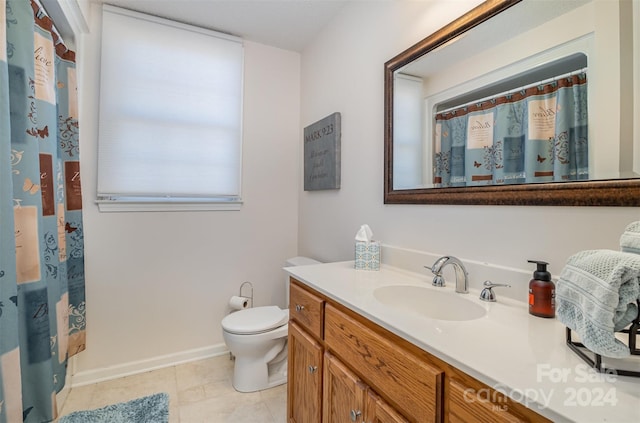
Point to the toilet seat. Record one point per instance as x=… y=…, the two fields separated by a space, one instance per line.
x=255 y=320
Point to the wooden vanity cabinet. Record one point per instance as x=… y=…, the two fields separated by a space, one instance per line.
x=345 y=368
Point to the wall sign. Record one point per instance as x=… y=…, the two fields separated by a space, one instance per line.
x=322 y=154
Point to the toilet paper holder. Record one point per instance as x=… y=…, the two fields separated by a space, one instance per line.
x=250 y=296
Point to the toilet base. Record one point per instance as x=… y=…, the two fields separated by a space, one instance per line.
x=252 y=377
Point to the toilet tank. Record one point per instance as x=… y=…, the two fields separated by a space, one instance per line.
x=296 y=261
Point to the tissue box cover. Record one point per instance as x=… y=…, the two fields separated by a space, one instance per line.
x=367 y=255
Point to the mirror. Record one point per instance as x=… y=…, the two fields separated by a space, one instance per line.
x=470 y=60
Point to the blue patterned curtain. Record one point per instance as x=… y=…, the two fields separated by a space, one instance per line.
x=538 y=134
x=41 y=234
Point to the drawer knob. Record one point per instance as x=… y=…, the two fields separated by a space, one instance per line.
x=355 y=414
x=299 y=307
x=313 y=369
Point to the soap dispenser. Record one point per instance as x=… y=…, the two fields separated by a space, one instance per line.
x=542 y=292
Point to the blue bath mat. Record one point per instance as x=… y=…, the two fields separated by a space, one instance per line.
x=151 y=409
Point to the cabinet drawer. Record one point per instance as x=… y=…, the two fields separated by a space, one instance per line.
x=471 y=401
x=404 y=379
x=466 y=406
x=307 y=309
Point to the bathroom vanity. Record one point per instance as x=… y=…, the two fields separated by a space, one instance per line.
x=353 y=356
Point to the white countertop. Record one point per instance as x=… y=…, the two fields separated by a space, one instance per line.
x=508 y=349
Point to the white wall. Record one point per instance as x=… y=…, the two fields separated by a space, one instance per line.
x=342 y=71
x=157 y=283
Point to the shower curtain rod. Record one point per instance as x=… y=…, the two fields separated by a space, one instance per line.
x=53 y=24
x=514 y=90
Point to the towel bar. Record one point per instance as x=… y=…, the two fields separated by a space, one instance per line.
x=596 y=362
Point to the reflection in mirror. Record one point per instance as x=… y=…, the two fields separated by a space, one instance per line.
x=533 y=99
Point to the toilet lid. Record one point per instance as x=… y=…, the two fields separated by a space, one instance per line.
x=255 y=320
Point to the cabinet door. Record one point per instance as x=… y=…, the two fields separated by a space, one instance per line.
x=304 y=390
x=344 y=393
x=378 y=411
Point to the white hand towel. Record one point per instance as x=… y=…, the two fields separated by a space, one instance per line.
x=630 y=239
x=597 y=295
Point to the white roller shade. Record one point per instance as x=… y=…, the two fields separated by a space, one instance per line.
x=170 y=110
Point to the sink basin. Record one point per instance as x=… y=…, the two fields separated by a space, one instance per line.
x=429 y=302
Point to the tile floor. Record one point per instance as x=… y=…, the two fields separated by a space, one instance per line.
x=199 y=392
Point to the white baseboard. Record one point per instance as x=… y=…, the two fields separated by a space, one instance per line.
x=127 y=369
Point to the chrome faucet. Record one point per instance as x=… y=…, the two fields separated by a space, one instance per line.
x=462 y=277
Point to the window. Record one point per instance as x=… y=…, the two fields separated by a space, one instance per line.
x=407 y=136
x=170 y=125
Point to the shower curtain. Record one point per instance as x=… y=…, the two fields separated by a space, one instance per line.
x=42 y=301
x=537 y=134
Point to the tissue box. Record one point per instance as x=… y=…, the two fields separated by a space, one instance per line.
x=367 y=255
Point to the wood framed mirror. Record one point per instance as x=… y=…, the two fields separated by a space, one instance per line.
x=621 y=189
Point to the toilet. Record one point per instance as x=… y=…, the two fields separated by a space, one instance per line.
x=257 y=337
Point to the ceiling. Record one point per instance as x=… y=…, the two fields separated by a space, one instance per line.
x=286 y=24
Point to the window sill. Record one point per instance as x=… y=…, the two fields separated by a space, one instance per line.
x=109 y=206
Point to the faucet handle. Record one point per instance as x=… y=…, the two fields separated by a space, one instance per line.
x=438 y=280
x=487 y=293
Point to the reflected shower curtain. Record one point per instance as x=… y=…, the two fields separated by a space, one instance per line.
x=538 y=134
x=41 y=234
